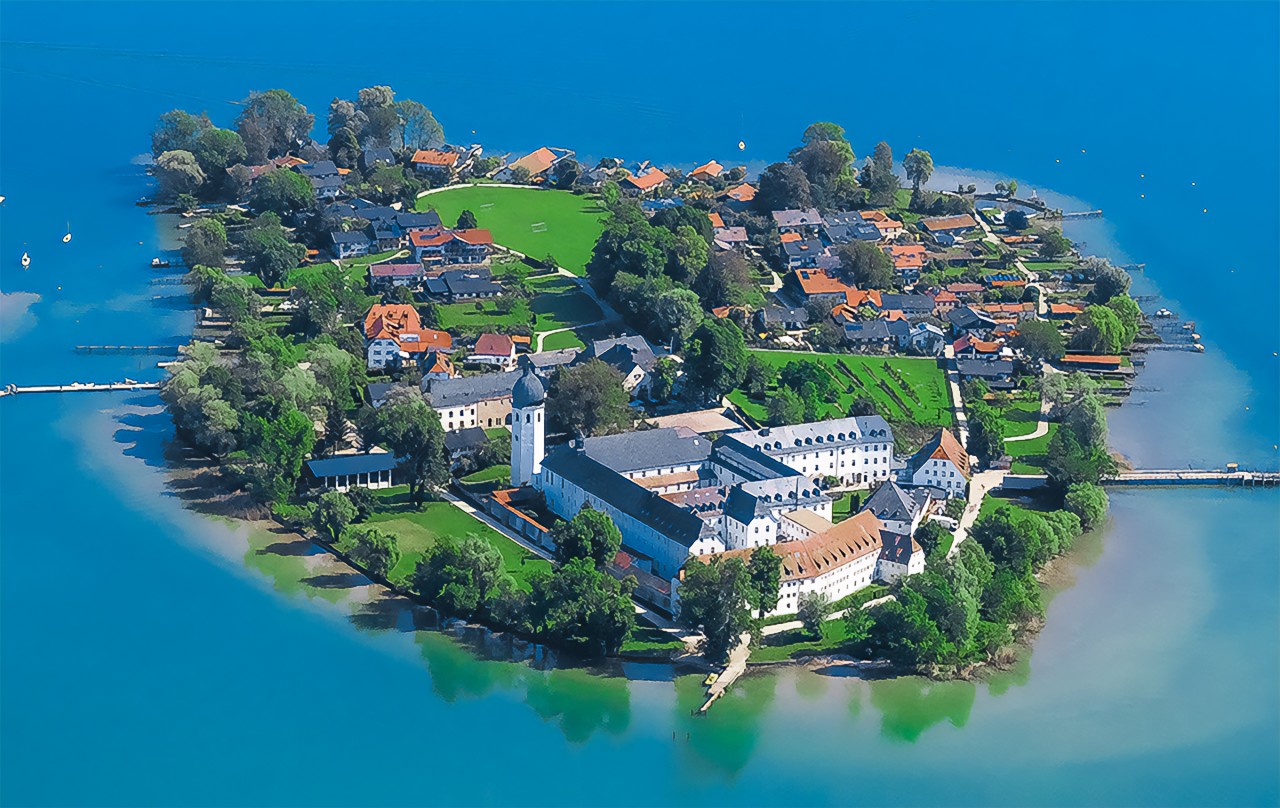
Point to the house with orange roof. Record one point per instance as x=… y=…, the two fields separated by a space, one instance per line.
x=941 y=463
x=951 y=225
x=538 y=163
x=716 y=221
x=740 y=196
x=971 y=347
x=643 y=183
x=707 y=171
x=816 y=284
x=1091 y=362
x=1064 y=311
x=498 y=350
x=907 y=258
x=439 y=247
x=437 y=365
x=965 y=288
x=888 y=227
x=438 y=164
x=944 y=302
x=393 y=334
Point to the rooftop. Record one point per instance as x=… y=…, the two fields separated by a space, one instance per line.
x=648 y=449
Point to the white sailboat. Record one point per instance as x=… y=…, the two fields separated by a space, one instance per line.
x=67 y=237
x=26 y=260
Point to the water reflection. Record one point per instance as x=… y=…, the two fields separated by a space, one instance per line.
x=911 y=705
x=726 y=737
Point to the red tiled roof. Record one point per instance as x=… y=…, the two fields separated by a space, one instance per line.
x=1064 y=308
x=938 y=223
x=945 y=297
x=650 y=179
x=817 y=282
x=423 y=340
x=716 y=221
x=434 y=157
x=854 y=538
x=741 y=193
x=981 y=346
x=1090 y=359
x=906 y=256
x=390 y=319
x=475 y=236
x=429 y=237
x=965 y=288
x=493 y=345
x=708 y=169
x=537 y=162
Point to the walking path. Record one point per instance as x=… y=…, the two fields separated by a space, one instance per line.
x=1042 y=427
x=542 y=335
x=466 y=508
x=1042 y=304
x=736 y=666
x=792 y=625
x=981 y=483
x=957 y=400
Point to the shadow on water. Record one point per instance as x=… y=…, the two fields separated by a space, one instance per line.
x=910 y=705
x=726 y=737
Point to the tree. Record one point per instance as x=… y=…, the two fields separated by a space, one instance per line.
x=1129 y=315
x=344 y=148
x=268 y=252
x=1068 y=461
x=1087 y=420
x=713 y=599
x=273 y=451
x=826 y=164
x=663 y=379
x=1109 y=282
x=460 y=577
x=903 y=631
x=918 y=165
x=677 y=313
x=382 y=121
x=783 y=186
x=687 y=254
x=272 y=124
x=216 y=150
x=467 y=220
x=858 y=624
x=865 y=264
x=1053 y=244
x=764 y=571
x=1087 y=501
x=420 y=129
x=333 y=513
x=589 y=399
x=344 y=115
x=1039 y=340
x=1061 y=390
x=205 y=244
x=725 y=280
x=1012 y=597
x=282 y=191
x=1016 y=220
x=375 y=550
x=177 y=130
x=590 y=534
x=565 y=173
x=177 y=172
x=930 y=536
x=759 y=377
x=685 y=216
x=1099 y=331
x=581 y=607
x=411 y=429
x=986 y=436
x=878 y=177
x=716 y=358
x=813 y=609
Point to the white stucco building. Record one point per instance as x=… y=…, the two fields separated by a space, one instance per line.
x=941 y=463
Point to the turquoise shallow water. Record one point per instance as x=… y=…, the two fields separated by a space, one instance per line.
x=142 y=661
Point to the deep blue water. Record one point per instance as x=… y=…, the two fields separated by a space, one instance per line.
x=141 y=663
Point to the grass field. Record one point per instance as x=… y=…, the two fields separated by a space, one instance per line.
x=560 y=303
x=357 y=269
x=925 y=403
x=1029 y=455
x=417 y=529
x=1020 y=418
x=466 y=315
x=562 y=340
x=533 y=221
x=645 y=640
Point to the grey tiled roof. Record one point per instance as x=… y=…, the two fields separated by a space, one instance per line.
x=808 y=437
x=756 y=498
x=891 y=502
x=676 y=523
x=746 y=460
x=648 y=449
x=984 y=368
x=466 y=390
x=797 y=218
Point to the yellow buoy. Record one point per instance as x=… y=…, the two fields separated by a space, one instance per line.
x=1142 y=176
x=742 y=144
x=1206 y=210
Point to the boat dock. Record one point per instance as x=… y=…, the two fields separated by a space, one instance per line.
x=1228 y=477
x=144 y=349
x=80 y=387
x=736 y=666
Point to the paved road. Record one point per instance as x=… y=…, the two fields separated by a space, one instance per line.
x=1042 y=426
x=981 y=483
x=957 y=400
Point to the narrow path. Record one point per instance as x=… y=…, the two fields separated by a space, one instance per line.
x=792 y=625
x=736 y=666
x=981 y=483
x=1042 y=304
x=542 y=335
x=1042 y=427
x=480 y=516
x=957 y=400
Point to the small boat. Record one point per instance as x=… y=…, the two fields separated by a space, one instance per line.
x=742 y=145
x=2 y=199
x=1163 y=313
x=711 y=679
x=159 y=263
x=26 y=260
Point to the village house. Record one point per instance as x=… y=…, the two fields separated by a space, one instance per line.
x=437 y=165
x=538 y=163
x=941 y=463
x=474 y=283
x=482 y=400
x=644 y=183
x=997 y=374
x=350 y=245
x=497 y=350
x=1095 y=363
x=463 y=443
x=927 y=338
x=913 y=306
x=375 y=156
x=789 y=318
x=730 y=238
x=800 y=252
x=383 y=277
x=1064 y=311
x=393 y=335
x=437 y=365
x=877 y=336
x=970 y=346
x=908 y=260
x=954 y=226
x=814 y=284
x=943 y=302
x=707 y=171
x=451 y=247
x=632 y=356
x=964 y=320
x=805 y=223
x=739 y=197
x=342 y=472
x=889 y=228
x=898 y=509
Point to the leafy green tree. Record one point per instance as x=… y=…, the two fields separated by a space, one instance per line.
x=783 y=186
x=865 y=264
x=1099 y=331
x=764 y=570
x=271 y=124
x=1012 y=597
x=878 y=177
x=374 y=549
x=665 y=373
x=205 y=244
x=1087 y=419
x=677 y=313
x=760 y=377
x=858 y=624
x=272 y=453
x=580 y=607
x=953 y=609
x=725 y=281
x=333 y=513
x=903 y=631
x=986 y=437
x=977 y=567
x=687 y=254
x=930 y=536
x=420 y=128
x=686 y=216
x=1016 y=221
x=826 y=164
x=177 y=172
x=813 y=609
x=590 y=534
x=1068 y=461
x=918 y=164
x=1039 y=340
x=566 y=173
x=381 y=119
x=268 y=252
x=1061 y=390
x=1053 y=244
x=589 y=399
x=798 y=375
x=344 y=148
x=716 y=358
x=410 y=428
x=460 y=577
x=1110 y=281
x=177 y=130
x=1130 y=317
x=282 y=191
x=467 y=220
x=1087 y=501
x=216 y=150
x=714 y=599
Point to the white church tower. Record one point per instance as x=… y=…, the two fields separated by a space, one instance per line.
x=528 y=425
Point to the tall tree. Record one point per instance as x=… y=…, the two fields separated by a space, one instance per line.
x=783 y=186
x=865 y=264
x=714 y=600
x=410 y=428
x=282 y=191
x=918 y=164
x=1098 y=331
x=205 y=244
x=272 y=123
x=1053 y=244
x=716 y=358
x=420 y=128
x=378 y=105
x=375 y=550
x=583 y=608
x=764 y=569
x=1039 y=340
x=677 y=313
x=460 y=577
x=589 y=399
x=216 y=150
x=725 y=280
x=590 y=534
x=1087 y=501
x=268 y=252
x=177 y=130
x=177 y=172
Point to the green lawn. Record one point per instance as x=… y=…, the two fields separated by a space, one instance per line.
x=1050 y=266
x=1020 y=418
x=1029 y=455
x=357 y=269
x=844 y=507
x=533 y=221
x=500 y=471
x=925 y=403
x=645 y=640
x=477 y=314
x=795 y=643
x=562 y=340
x=560 y=303
x=417 y=529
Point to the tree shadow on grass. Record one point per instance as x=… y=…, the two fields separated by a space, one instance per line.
x=336 y=580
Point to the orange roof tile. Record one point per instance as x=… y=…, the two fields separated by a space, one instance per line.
x=817 y=282
x=475 y=236
x=741 y=193
x=789 y=237
x=906 y=256
x=716 y=221
x=537 y=162
x=434 y=157
x=854 y=538
x=650 y=179
x=943 y=446
x=494 y=345
x=708 y=169
x=1065 y=308
x=1090 y=359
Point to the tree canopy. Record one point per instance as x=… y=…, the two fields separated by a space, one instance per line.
x=589 y=399
x=590 y=534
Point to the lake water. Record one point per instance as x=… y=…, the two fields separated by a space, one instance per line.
x=150 y=656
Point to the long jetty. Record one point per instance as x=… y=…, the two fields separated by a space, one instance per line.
x=80 y=387
x=165 y=349
x=1160 y=477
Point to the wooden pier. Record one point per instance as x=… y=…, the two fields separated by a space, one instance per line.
x=1160 y=477
x=145 y=349
x=80 y=387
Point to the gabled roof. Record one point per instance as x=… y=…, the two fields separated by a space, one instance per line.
x=942 y=446
x=892 y=503
x=853 y=539
x=939 y=224
x=435 y=157
x=741 y=193
x=898 y=548
x=906 y=256
x=1091 y=359
x=475 y=236
x=716 y=221
x=467 y=438
x=798 y=218
x=984 y=368
x=650 y=179
x=648 y=449
x=708 y=169
x=466 y=390
x=980 y=346
x=390 y=319
x=395 y=270
x=818 y=282
x=364 y=463
x=537 y=162
x=494 y=345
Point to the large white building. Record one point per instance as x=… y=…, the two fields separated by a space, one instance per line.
x=941 y=463
x=857 y=451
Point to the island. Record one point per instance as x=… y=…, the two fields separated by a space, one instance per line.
x=657 y=412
